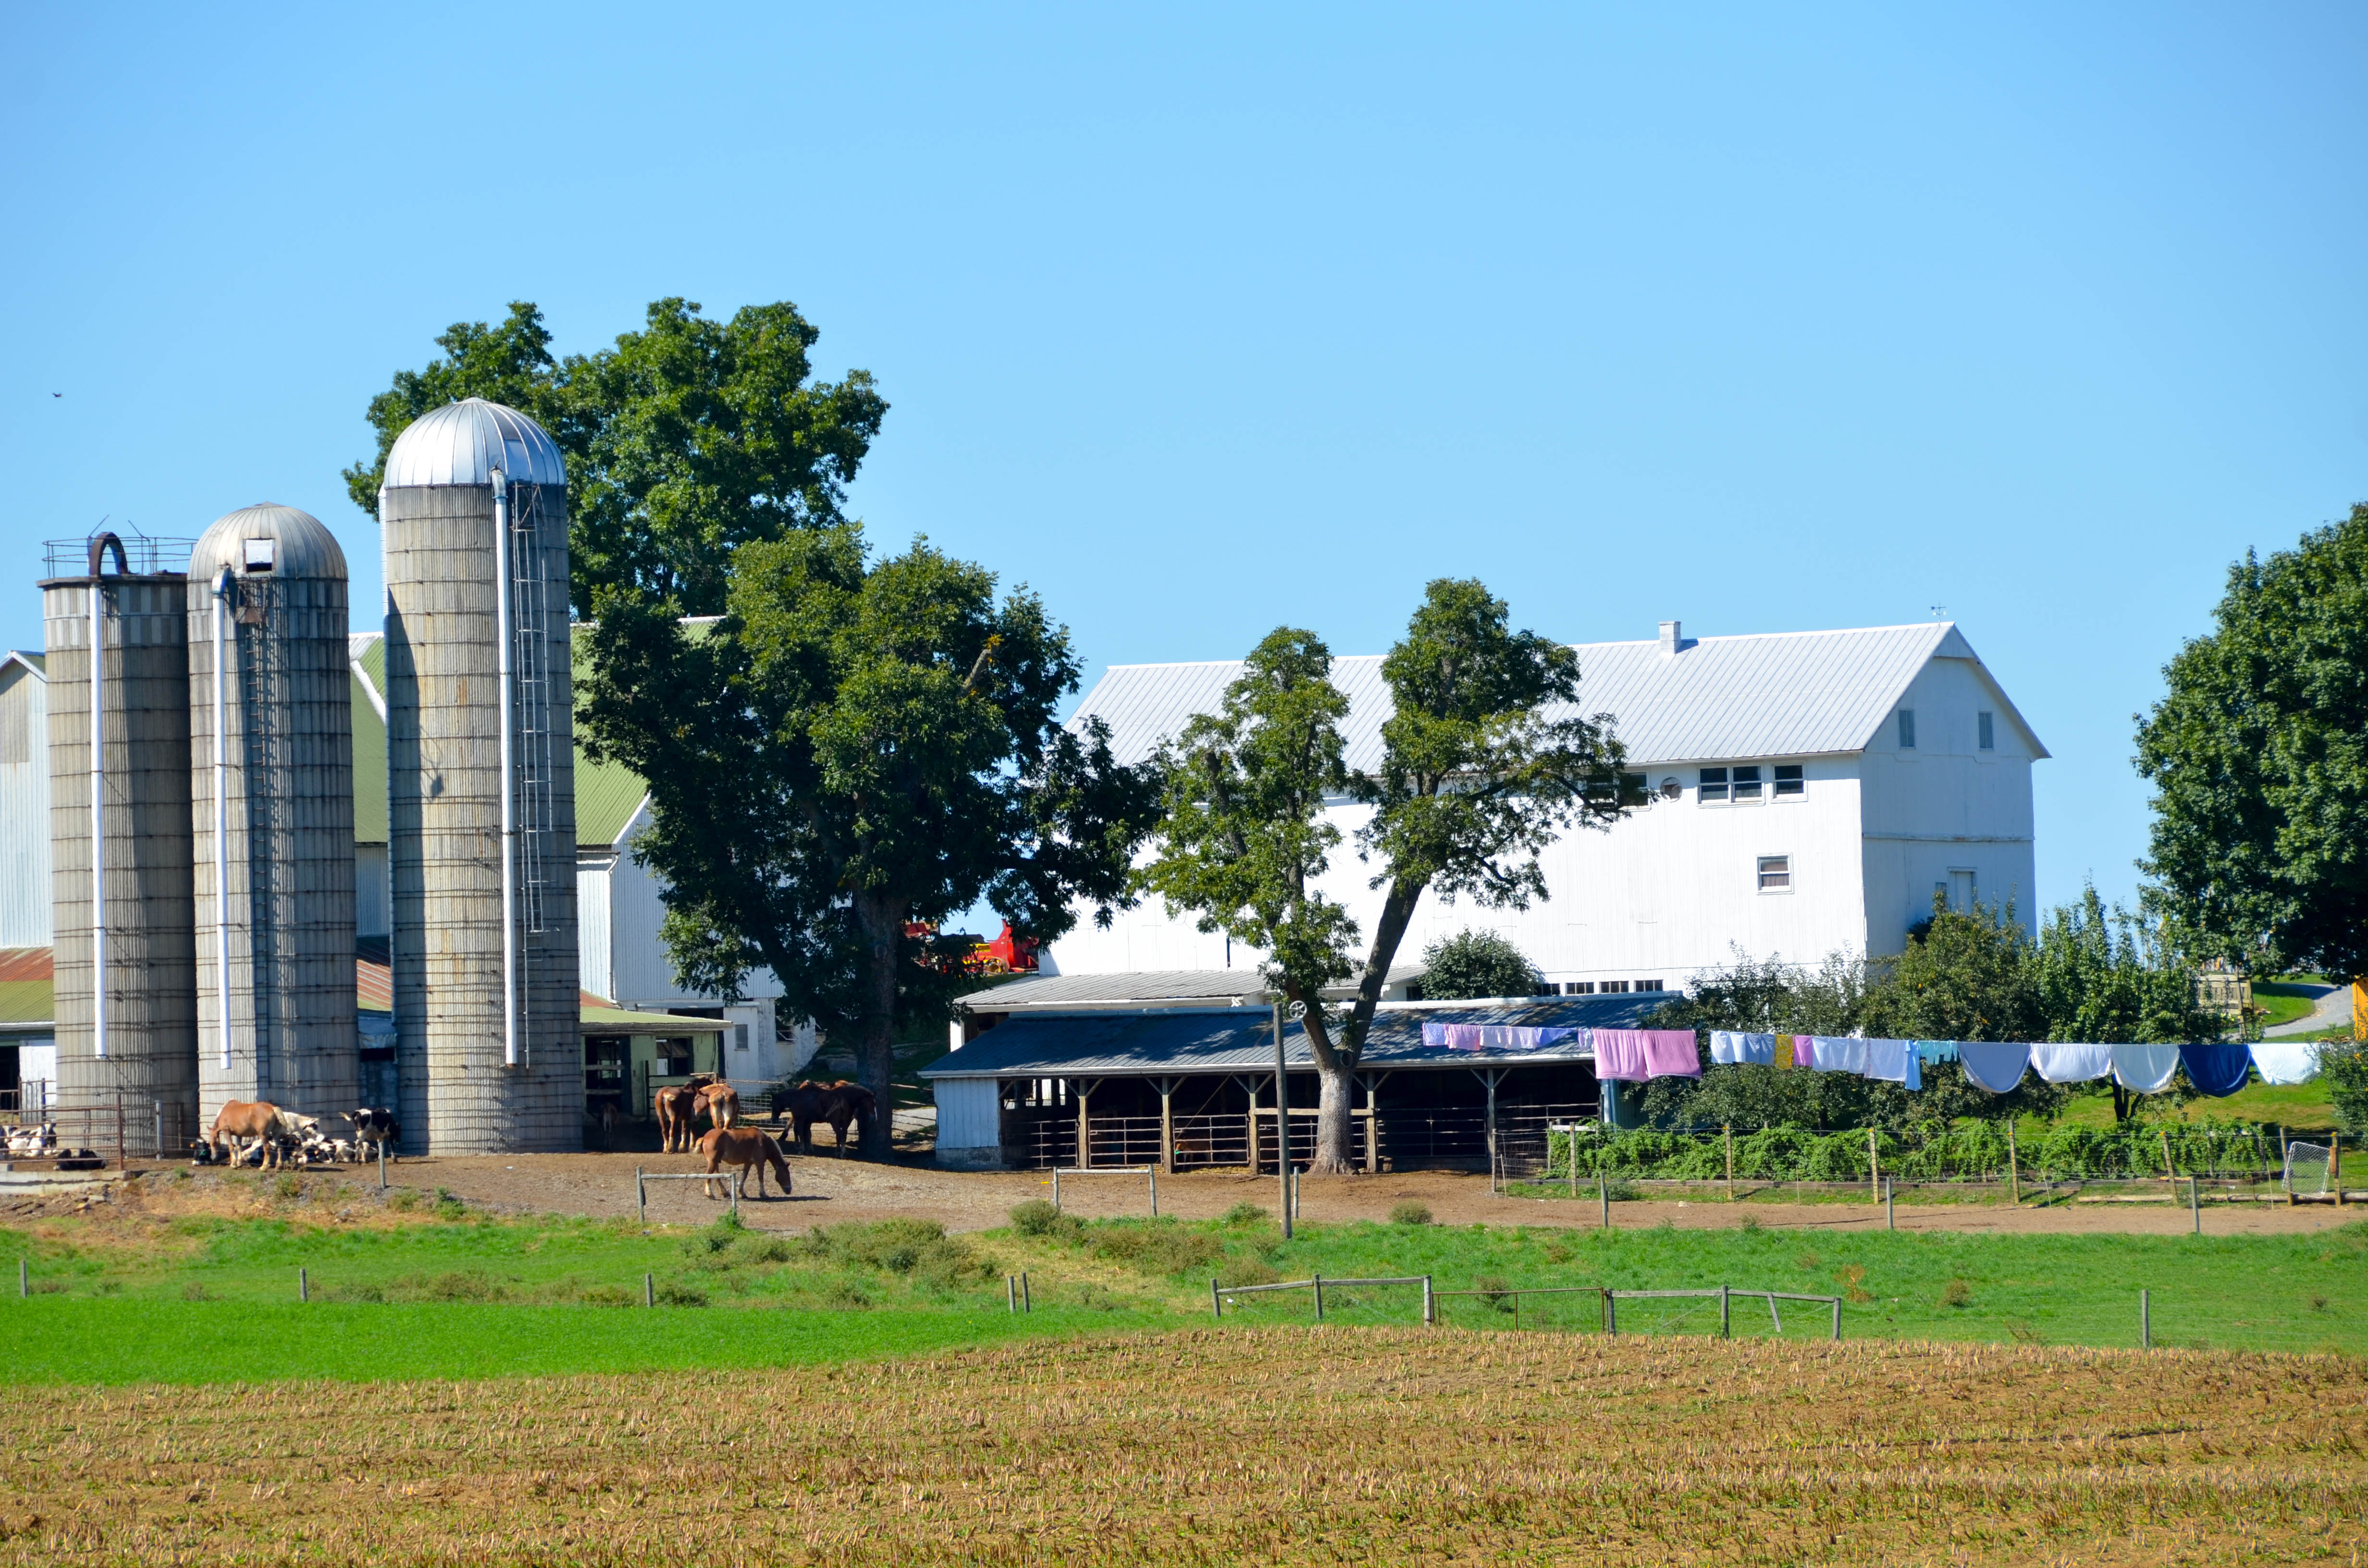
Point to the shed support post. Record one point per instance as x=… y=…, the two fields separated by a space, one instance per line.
x=1085 y=1127
x=1167 y=1135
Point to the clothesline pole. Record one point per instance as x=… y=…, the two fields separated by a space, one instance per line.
x=2169 y=1171
x=1873 y=1169
x=2013 y=1164
x=2196 y=1205
x=1890 y=1222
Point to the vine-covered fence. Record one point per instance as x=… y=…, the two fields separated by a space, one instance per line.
x=1974 y=1152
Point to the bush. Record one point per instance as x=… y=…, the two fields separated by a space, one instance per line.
x=918 y=1248
x=1161 y=1246
x=1243 y=1214
x=1410 y=1214
x=673 y=1295
x=1034 y=1218
x=1957 y=1293
x=1246 y=1271
x=1475 y=964
x=2344 y=1065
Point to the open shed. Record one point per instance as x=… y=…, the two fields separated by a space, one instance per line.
x=1188 y=1085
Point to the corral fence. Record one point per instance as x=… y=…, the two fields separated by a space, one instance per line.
x=1400 y=1140
x=118 y=1130
x=1565 y=1308
x=1982 y=1153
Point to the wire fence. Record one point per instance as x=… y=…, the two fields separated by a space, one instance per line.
x=1403 y=1140
x=1721 y=1311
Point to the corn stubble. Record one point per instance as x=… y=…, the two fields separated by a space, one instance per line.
x=1231 y=1446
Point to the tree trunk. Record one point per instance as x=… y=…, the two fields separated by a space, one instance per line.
x=875 y=1051
x=1337 y=1081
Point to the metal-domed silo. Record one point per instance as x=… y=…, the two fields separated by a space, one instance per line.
x=472 y=514
x=121 y=878
x=272 y=791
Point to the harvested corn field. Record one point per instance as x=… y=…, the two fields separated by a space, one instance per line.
x=1225 y=1446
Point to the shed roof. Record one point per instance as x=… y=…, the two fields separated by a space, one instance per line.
x=1132 y=986
x=1160 y=1043
x=1778 y=694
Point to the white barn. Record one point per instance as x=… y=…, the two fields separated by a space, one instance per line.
x=1812 y=792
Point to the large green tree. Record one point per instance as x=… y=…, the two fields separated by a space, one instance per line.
x=857 y=748
x=684 y=440
x=1484 y=762
x=2259 y=756
x=1473 y=964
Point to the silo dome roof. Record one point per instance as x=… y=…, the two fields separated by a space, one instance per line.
x=462 y=443
x=300 y=546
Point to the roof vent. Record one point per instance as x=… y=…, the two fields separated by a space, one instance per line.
x=1673 y=636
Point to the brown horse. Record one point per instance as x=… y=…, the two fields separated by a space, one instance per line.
x=677 y=1107
x=721 y=1102
x=837 y=1103
x=743 y=1148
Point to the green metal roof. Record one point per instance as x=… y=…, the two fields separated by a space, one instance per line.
x=26 y=1002
x=624 y=1020
x=607 y=794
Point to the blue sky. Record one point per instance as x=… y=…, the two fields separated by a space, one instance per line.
x=1197 y=321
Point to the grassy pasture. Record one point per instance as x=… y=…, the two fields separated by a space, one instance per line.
x=1206 y=1446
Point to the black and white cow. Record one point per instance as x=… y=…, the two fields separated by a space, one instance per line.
x=375 y=1125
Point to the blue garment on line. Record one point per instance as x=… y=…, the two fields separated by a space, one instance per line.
x=2216 y=1070
x=1994 y=1066
x=1932 y=1053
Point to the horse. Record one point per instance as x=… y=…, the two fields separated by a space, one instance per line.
x=720 y=1101
x=837 y=1103
x=676 y=1106
x=743 y=1148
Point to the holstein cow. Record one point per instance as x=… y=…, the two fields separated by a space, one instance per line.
x=837 y=1103
x=743 y=1148
x=375 y=1128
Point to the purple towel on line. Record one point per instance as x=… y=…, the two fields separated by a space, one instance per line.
x=1633 y=1055
x=1493 y=1037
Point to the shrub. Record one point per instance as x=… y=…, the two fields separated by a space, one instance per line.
x=1160 y=1247
x=193 y=1291
x=1410 y=1214
x=916 y=1247
x=1243 y=1213
x=1957 y=1293
x=1034 y=1218
x=2344 y=1065
x=290 y=1184
x=673 y=1295
x=403 y=1200
x=1246 y=1271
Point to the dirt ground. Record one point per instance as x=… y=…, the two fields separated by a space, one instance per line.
x=829 y=1190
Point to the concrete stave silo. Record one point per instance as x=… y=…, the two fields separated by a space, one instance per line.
x=275 y=888
x=480 y=794
x=127 y=1044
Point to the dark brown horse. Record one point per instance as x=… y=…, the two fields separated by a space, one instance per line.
x=837 y=1103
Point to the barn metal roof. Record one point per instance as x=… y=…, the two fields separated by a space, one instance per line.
x=1779 y=694
x=1207 y=986
x=1155 y=1044
x=462 y=443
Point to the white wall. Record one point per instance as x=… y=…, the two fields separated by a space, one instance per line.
x=374 y=893
x=970 y=1113
x=594 y=948
x=24 y=808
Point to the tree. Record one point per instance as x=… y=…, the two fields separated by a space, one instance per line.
x=857 y=748
x=2259 y=755
x=2344 y=1064
x=1473 y=964
x=1479 y=772
x=684 y=442
x=2103 y=975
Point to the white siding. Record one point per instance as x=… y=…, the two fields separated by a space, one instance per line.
x=638 y=964
x=970 y=1114
x=374 y=893
x=594 y=879
x=24 y=808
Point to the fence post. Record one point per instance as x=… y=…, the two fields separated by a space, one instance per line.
x=641 y=1187
x=1603 y=1196
x=160 y=1129
x=2335 y=1166
x=2146 y=1321
x=649 y=1290
x=2169 y=1171
x=1319 y=1298
x=1725 y=1329
x=1027 y=1303
x=1837 y=1320
x=1573 y=1138
x=1611 y=1314
x=25 y=1279
x=2194 y=1205
x=1216 y=1302
x=1429 y=1305
x=1056 y=1190
x=303 y=1286
x=2013 y=1164
x=1873 y=1169
x=1890 y=1220
x=1729 y=1131
x=382 y=1165
x=1011 y=1295
x=1154 y=1191
x=735 y=1196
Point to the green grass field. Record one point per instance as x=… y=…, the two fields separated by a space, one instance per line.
x=197 y=1297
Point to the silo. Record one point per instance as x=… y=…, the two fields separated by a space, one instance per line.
x=127 y=1019
x=272 y=787
x=480 y=795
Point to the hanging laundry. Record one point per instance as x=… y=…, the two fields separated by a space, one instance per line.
x=2216 y=1070
x=1932 y=1053
x=1804 y=1050
x=2063 y=1061
x=1993 y=1066
x=1727 y=1045
x=2285 y=1062
x=1633 y=1055
x=1894 y=1061
x=1500 y=1038
x=1841 y=1053
x=2144 y=1069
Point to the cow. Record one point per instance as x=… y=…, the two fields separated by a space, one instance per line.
x=743 y=1148
x=837 y=1103
x=375 y=1128
x=260 y=1120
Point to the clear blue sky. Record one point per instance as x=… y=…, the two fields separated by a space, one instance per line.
x=1764 y=317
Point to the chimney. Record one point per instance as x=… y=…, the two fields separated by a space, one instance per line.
x=1673 y=636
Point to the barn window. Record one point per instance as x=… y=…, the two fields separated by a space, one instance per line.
x=1987 y=728
x=1747 y=783
x=1788 y=779
x=1775 y=873
x=1908 y=729
x=1714 y=784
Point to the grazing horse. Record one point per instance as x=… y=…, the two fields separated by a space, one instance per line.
x=743 y=1148
x=837 y=1103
